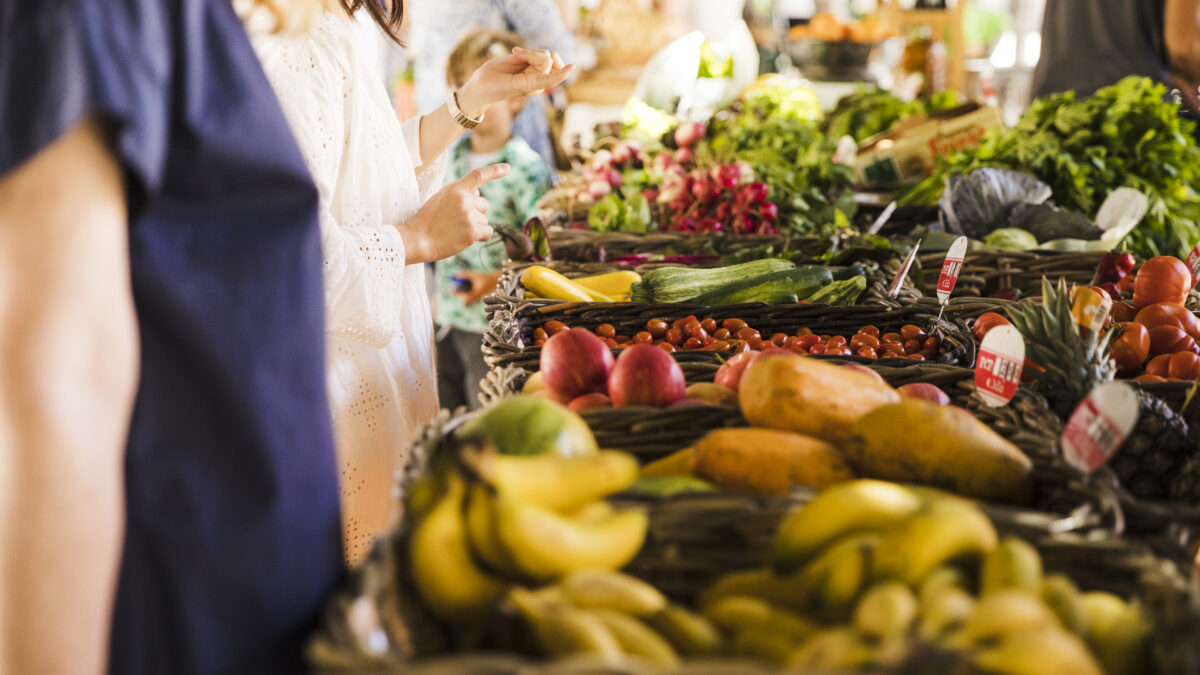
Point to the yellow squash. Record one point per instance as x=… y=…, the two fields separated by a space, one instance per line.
x=612 y=284
x=546 y=283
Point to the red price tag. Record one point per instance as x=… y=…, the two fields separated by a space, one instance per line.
x=951 y=269
x=1193 y=262
x=998 y=366
x=1100 y=425
x=898 y=280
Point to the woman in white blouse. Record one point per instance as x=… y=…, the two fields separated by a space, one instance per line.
x=382 y=217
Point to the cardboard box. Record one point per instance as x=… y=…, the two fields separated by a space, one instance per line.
x=908 y=152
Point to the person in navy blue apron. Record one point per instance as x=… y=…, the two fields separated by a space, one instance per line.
x=166 y=459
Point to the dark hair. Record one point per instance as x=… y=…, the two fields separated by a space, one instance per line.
x=387 y=15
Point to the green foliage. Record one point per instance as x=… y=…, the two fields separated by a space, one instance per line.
x=613 y=213
x=871 y=110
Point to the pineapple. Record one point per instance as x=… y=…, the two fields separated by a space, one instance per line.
x=1160 y=459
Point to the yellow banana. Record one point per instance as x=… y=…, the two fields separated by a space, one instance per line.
x=1012 y=564
x=944 y=530
x=690 y=633
x=939 y=579
x=612 y=284
x=848 y=508
x=592 y=512
x=1118 y=633
x=636 y=638
x=547 y=545
x=832 y=583
x=764 y=644
x=481 y=531
x=837 y=649
x=1007 y=611
x=567 y=631
x=944 y=610
x=1062 y=596
x=557 y=482
x=734 y=612
x=760 y=583
x=445 y=575
x=886 y=611
x=1037 y=652
x=606 y=589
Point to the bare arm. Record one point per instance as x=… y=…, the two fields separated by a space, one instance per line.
x=68 y=358
x=1182 y=35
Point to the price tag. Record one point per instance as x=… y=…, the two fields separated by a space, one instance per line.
x=882 y=219
x=1100 y=425
x=1193 y=262
x=998 y=366
x=1089 y=308
x=951 y=269
x=898 y=280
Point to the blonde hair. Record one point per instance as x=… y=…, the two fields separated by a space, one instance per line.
x=475 y=49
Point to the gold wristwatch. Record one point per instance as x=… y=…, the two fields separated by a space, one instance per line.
x=457 y=113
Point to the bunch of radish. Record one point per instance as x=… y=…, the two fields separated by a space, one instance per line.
x=603 y=172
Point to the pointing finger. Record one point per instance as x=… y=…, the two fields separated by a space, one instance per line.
x=484 y=174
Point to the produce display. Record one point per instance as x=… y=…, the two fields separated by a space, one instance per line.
x=543 y=282
x=772 y=281
x=871 y=110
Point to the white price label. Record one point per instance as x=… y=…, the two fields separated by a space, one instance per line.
x=1099 y=425
x=898 y=280
x=951 y=268
x=999 y=364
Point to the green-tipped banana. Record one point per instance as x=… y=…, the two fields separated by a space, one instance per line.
x=569 y=631
x=944 y=611
x=849 y=508
x=547 y=545
x=838 y=649
x=1063 y=598
x=444 y=572
x=606 y=589
x=1012 y=564
x=690 y=633
x=943 y=531
x=1037 y=652
x=735 y=612
x=834 y=580
x=556 y=482
x=886 y=611
x=1118 y=633
x=637 y=639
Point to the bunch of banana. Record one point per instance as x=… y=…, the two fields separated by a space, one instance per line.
x=518 y=519
x=870 y=570
x=611 y=617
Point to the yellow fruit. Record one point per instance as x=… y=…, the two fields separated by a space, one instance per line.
x=1037 y=652
x=711 y=393
x=1012 y=564
x=943 y=531
x=637 y=639
x=546 y=545
x=1062 y=596
x=943 y=446
x=557 y=482
x=764 y=644
x=849 y=508
x=809 y=396
x=944 y=610
x=612 y=284
x=690 y=633
x=834 y=580
x=763 y=584
x=734 y=612
x=836 y=650
x=768 y=462
x=940 y=579
x=567 y=631
x=446 y=576
x=1008 y=612
x=533 y=384
x=547 y=283
x=886 y=611
x=481 y=532
x=606 y=589
x=1118 y=633
x=681 y=463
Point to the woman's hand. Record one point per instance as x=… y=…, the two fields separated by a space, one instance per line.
x=525 y=72
x=482 y=285
x=454 y=218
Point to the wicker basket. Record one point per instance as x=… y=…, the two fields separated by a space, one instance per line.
x=988 y=271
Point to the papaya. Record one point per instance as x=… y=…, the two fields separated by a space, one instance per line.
x=680 y=463
x=768 y=462
x=809 y=396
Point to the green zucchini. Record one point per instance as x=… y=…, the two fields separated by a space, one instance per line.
x=844 y=273
x=840 y=292
x=773 y=289
x=681 y=284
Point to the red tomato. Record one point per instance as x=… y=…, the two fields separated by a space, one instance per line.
x=721 y=333
x=1159 y=365
x=709 y=325
x=1131 y=350
x=890 y=352
x=912 y=346
x=680 y=323
x=1145 y=377
x=657 y=327
x=1170 y=339
x=863 y=340
x=1163 y=278
x=869 y=330
x=892 y=338
x=698 y=332
x=666 y=347
x=540 y=333
x=817 y=349
x=779 y=339
x=643 y=338
x=931 y=343
x=555 y=327
x=747 y=332
x=915 y=357
x=911 y=332
x=693 y=343
x=868 y=352
x=740 y=346
x=801 y=332
x=929 y=354
x=539 y=342
x=1123 y=311
x=717 y=346
x=675 y=336
x=1169 y=314
x=1183 y=366
x=1125 y=285
x=733 y=325
x=987 y=322
x=837 y=351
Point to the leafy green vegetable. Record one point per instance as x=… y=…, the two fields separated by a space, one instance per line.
x=1011 y=239
x=1125 y=135
x=871 y=110
x=644 y=123
x=613 y=213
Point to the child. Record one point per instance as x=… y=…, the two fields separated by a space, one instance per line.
x=464 y=280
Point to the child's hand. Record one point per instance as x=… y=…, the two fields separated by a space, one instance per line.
x=525 y=72
x=482 y=284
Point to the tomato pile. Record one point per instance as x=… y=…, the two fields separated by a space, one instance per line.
x=734 y=336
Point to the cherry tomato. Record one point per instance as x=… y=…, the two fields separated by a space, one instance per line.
x=1123 y=312
x=931 y=343
x=733 y=325
x=606 y=330
x=817 y=349
x=801 y=332
x=680 y=323
x=912 y=346
x=807 y=341
x=612 y=344
x=869 y=330
x=697 y=332
x=779 y=339
x=1145 y=377
x=837 y=351
x=754 y=343
x=666 y=347
x=739 y=346
x=747 y=332
x=915 y=357
x=721 y=333
x=657 y=327
x=928 y=354
x=836 y=341
x=540 y=334
x=864 y=340
x=717 y=346
x=643 y=338
x=675 y=336
x=693 y=343
x=539 y=342
x=892 y=338
x=911 y=332
x=1183 y=366
x=555 y=327
x=890 y=353
x=709 y=325
x=1131 y=350
x=868 y=352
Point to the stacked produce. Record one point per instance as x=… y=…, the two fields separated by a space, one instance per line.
x=871 y=575
x=771 y=280
x=543 y=282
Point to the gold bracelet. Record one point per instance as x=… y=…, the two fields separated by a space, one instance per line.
x=457 y=113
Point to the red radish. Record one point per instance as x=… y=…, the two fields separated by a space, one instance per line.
x=769 y=211
x=592 y=400
x=730 y=373
x=923 y=390
x=645 y=375
x=602 y=159
x=622 y=153
x=687 y=133
x=575 y=362
x=756 y=193
x=684 y=156
x=599 y=188
x=613 y=177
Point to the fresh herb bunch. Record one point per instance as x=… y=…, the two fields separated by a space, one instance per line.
x=1125 y=135
x=871 y=110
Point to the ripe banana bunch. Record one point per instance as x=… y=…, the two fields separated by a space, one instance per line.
x=612 y=617
x=517 y=519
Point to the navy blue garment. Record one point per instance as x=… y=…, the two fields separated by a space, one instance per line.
x=233 y=531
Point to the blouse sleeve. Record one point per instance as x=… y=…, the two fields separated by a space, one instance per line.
x=429 y=177
x=62 y=62
x=363 y=262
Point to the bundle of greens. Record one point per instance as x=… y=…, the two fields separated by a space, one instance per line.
x=871 y=110
x=1125 y=135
